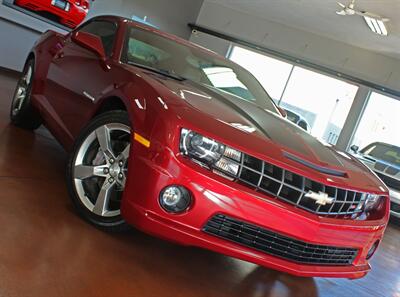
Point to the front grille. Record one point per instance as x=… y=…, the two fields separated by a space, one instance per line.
x=392 y=170
x=386 y=168
x=69 y=23
x=380 y=166
x=389 y=181
x=292 y=188
x=395 y=207
x=276 y=244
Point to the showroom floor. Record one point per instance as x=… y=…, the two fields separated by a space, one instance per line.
x=47 y=250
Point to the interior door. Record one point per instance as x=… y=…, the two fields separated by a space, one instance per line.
x=76 y=78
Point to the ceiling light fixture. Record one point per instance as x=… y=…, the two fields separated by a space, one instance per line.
x=376 y=25
x=374 y=21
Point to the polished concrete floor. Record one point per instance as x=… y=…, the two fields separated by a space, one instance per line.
x=47 y=250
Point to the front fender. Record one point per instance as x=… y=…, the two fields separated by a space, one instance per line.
x=44 y=50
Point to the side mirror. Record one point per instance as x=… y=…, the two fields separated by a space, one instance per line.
x=354 y=148
x=282 y=112
x=91 y=42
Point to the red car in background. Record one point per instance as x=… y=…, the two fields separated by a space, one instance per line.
x=187 y=145
x=68 y=13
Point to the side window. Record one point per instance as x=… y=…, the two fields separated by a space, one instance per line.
x=105 y=30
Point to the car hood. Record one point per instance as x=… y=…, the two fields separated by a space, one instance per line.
x=267 y=135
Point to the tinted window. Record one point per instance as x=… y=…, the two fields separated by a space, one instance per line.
x=105 y=30
x=152 y=50
x=384 y=152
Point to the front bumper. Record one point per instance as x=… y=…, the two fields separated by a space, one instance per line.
x=215 y=195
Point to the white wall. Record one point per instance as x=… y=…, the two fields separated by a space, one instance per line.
x=19 y=31
x=16 y=41
x=338 y=56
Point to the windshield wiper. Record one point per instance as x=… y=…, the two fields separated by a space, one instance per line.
x=159 y=71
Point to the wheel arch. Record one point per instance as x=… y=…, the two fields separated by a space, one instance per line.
x=108 y=104
x=111 y=103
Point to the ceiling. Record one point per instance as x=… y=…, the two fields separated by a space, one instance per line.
x=319 y=17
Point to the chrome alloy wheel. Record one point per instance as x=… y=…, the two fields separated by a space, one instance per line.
x=100 y=169
x=22 y=90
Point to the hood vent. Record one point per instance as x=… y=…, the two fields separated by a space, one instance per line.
x=314 y=166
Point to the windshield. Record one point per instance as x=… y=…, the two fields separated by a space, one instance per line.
x=177 y=60
x=384 y=152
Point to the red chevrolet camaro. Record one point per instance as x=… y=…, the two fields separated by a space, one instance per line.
x=69 y=12
x=212 y=163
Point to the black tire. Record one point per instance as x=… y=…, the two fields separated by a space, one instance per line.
x=23 y=114
x=110 y=224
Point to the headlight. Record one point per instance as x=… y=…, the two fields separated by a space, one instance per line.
x=371 y=202
x=201 y=148
x=210 y=153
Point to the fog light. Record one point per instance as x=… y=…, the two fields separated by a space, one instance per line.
x=372 y=250
x=175 y=199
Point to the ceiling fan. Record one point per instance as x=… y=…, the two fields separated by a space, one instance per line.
x=374 y=21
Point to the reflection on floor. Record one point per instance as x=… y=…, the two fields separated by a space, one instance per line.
x=46 y=250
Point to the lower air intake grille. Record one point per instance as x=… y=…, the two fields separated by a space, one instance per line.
x=278 y=245
x=32 y=6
